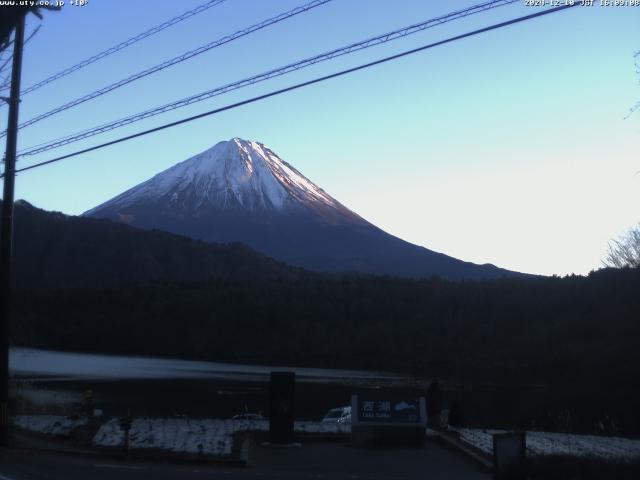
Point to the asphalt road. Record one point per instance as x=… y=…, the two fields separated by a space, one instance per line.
x=311 y=461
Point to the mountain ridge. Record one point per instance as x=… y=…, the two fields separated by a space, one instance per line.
x=54 y=250
x=242 y=191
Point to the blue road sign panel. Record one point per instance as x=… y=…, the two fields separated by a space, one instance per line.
x=382 y=410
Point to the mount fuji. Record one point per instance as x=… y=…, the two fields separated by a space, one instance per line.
x=242 y=191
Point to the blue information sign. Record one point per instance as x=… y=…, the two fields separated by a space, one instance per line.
x=388 y=410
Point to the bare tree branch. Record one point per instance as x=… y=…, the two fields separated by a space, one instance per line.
x=625 y=251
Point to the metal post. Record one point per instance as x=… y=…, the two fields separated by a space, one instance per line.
x=6 y=230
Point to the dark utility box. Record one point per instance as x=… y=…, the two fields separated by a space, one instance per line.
x=509 y=452
x=281 y=407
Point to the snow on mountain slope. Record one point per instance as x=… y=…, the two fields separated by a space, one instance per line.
x=241 y=191
x=235 y=173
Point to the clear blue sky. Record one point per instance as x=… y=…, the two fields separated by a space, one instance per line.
x=511 y=147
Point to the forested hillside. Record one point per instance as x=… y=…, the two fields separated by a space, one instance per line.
x=572 y=329
x=53 y=250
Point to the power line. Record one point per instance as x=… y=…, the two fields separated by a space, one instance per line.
x=380 y=39
x=176 y=60
x=7 y=82
x=10 y=57
x=6 y=45
x=301 y=85
x=6 y=62
x=125 y=44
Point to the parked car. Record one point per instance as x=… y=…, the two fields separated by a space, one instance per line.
x=338 y=415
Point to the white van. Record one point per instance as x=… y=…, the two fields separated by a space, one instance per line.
x=338 y=415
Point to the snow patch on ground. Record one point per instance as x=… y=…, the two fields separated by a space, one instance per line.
x=208 y=437
x=54 y=425
x=204 y=436
x=547 y=443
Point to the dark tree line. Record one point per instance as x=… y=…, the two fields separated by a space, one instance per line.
x=549 y=330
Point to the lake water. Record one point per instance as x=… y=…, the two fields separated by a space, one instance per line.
x=50 y=365
x=159 y=387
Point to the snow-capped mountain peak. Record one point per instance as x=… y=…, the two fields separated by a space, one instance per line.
x=232 y=174
x=241 y=191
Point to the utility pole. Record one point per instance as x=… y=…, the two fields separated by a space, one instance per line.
x=6 y=226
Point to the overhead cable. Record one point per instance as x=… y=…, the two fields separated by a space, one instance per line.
x=380 y=39
x=175 y=60
x=300 y=85
x=123 y=45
